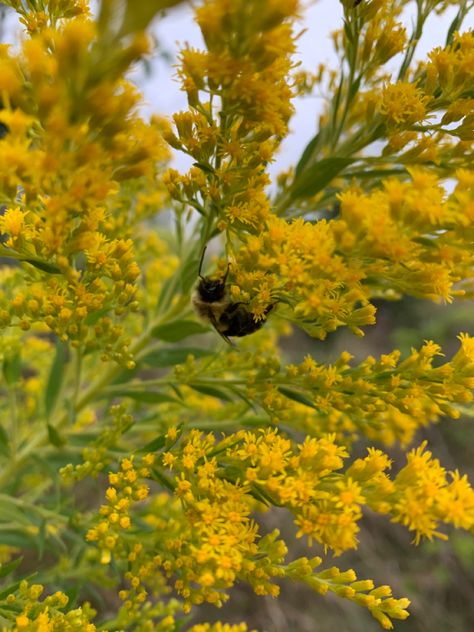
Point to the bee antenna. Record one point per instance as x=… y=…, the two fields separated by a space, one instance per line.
x=201 y=262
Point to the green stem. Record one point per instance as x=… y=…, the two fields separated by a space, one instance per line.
x=350 y=92
x=414 y=39
x=14 y=426
x=77 y=378
x=31 y=507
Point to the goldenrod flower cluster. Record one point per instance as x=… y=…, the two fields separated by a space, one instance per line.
x=74 y=136
x=402 y=238
x=407 y=238
x=43 y=615
x=206 y=541
x=189 y=445
x=96 y=456
x=385 y=399
x=405 y=109
x=304 y=478
x=124 y=489
x=239 y=108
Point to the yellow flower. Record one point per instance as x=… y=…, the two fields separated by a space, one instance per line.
x=402 y=104
x=22 y=621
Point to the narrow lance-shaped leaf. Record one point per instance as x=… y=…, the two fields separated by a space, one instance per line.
x=177 y=330
x=170 y=356
x=54 y=437
x=12 y=368
x=296 y=396
x=55 y=378
x=308 y=153
x=149 y=397
x=318 y=176
x=213 y=391
x=6 y=569
x=43 y=265
x=4 y=448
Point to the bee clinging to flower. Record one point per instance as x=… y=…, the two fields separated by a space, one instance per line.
x=213 y=305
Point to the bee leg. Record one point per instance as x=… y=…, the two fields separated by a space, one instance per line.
x=215 y=324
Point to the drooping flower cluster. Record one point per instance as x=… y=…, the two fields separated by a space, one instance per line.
x=406 y=238
x=304 y=478
x=386 y=399
x=204 y=541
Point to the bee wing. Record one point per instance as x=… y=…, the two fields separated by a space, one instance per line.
x=216 y=327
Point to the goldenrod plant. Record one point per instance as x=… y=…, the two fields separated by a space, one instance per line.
x=140 y=452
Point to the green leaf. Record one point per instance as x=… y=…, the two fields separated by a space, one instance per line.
x=163 y=479
x=425 y=241
x=348 y=31
x=55 y=379
x=9 y=512
x=455 y=25
x=17 y=537
x=296 y=396
x=177 y=330
x=138 y=15
x=10 y=589
x=43 y=265
x=169 y=356
x=12 y=369
x=260 y=495
x=203 y=167
x=6 y=569
x=4 y=447
x=168 y=290
x=93 y=317
x=149 y=397
x=37 y=263
x=354 y=87
x=154 y=445
x=318 y=176
x=54 y=437
x=41 y=539
x=367 y=173
x=307 y=154
x=211 y=390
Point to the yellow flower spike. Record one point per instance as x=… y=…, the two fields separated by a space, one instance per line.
x=382 y=619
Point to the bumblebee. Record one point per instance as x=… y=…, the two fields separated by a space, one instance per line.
x=213 y=305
